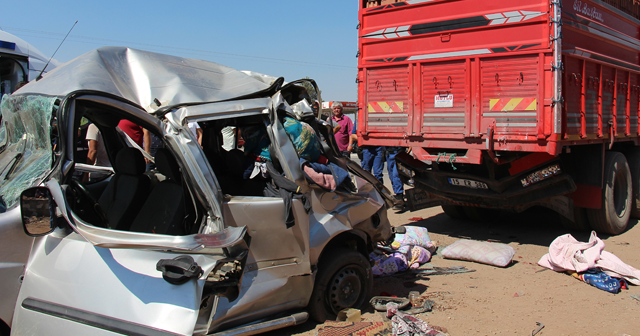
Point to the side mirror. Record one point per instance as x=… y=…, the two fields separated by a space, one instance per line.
x=37 y=207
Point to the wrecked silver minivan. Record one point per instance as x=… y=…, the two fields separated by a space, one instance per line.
x=238 y=229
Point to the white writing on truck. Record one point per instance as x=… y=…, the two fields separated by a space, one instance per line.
x=587 y=10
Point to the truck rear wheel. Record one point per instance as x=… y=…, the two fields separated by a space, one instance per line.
x=613 y=216
x=633 y=159
x=454 y=211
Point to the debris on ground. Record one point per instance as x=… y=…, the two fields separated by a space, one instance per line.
x=495 y=254
x=424 y=307
x=405 y=325
x=349 y=315
x=380 y=302
x=331 y=328
x=441 y=270
x=539 y=327
x=417 y=306
x=407 y=251
x=589 y=263
x=597 y=278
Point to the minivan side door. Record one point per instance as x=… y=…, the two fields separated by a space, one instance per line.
x=83 y=279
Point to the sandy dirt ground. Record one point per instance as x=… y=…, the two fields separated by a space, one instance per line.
x=509 y=301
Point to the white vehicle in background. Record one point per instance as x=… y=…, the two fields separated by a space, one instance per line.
x=19 y=62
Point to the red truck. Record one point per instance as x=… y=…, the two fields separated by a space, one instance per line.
x=507 y=104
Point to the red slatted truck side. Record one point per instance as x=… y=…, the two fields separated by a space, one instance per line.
x=507 y=104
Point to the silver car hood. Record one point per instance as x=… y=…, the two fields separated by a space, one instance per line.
x=142 y=77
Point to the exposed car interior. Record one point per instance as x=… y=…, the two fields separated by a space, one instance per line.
x=158 y=200
x=229 y=160
x=134 y=198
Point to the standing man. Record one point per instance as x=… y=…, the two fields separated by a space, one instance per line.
x=346 y=127
x=97 y=154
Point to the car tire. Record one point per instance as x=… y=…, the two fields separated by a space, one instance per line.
x=344 y=280
x=613 y=216
x=454 y=211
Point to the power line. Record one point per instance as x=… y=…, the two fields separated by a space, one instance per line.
x=79 y=38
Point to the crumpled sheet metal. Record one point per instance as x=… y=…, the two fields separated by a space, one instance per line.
x=25 y=130
x=334 y=213
x=223 y=110
x=198 y=168
x=142 y=76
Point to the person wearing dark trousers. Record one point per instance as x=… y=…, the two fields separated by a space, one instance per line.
x=396 y=183
x=374 y=157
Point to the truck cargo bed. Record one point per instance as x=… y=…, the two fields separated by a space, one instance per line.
x=466 y=77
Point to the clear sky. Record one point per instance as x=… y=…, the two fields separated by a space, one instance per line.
x=288 y=38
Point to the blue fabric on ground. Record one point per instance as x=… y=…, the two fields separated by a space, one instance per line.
x=601 y=280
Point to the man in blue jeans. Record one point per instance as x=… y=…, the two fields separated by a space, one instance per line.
x=373 y=157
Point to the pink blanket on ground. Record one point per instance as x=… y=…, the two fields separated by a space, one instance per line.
x=568 y=254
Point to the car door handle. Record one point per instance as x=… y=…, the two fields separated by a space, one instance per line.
x=179 y=270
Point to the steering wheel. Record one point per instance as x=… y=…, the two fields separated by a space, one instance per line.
x=86 y=205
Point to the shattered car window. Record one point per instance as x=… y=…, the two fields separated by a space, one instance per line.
x=25 y=139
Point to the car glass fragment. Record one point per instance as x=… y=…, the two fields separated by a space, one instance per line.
x=28 y=150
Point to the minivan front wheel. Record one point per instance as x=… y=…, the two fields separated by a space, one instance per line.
x=344 y=280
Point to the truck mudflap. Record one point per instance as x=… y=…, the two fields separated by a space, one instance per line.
x=434 y=187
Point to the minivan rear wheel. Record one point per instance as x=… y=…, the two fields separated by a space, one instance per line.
x=344 y=280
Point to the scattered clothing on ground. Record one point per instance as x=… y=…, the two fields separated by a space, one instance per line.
x=568 y=254
x=407 y=251
x=600 y=280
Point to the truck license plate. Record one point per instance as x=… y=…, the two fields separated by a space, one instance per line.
x=468 y=183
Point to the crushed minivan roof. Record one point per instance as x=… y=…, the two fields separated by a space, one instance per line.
x=143 y=77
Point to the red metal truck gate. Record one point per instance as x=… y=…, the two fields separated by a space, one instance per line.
x=466 y=76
